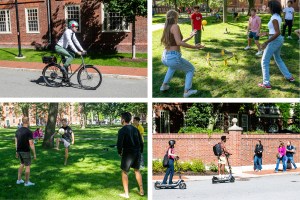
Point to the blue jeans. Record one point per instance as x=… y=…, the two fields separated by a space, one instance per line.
x=273 y=49
x=257 y=163
x=174 y=61
x=170 y=171
x=291 y=158
x=283 y=159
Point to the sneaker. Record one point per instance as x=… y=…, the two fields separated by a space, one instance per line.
x=259 y=170
x=259 y=53
x=189 y=93
x=256 y=170
x=20 y=181
x=291 y=79
x=164 y=88
x=275 y=171
x=289 y=37
x=268 y=87
x=247 y=47
x=29 y=184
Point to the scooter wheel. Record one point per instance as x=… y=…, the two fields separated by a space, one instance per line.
x=232 y=179
x=156 y=186
x=183 y=186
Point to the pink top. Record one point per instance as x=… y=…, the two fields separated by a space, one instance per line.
x=282 y=151
x=254 y=23
x=172 y=152
x=37 y=134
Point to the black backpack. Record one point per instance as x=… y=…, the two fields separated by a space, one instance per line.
x=217 y=149
x=166 y=160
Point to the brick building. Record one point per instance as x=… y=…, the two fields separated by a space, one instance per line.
x=98 y=29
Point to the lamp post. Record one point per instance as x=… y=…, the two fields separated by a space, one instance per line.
x=18 y=31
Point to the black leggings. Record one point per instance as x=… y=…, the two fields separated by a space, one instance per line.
x=288 y=23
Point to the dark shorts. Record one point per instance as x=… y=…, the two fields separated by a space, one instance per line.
x=25 y=158
x=253 y=35
x=130 y=160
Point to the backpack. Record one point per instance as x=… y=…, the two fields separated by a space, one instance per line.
x=166 y=160
x=217 y=149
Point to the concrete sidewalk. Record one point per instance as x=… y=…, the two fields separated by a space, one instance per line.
x=111 y=70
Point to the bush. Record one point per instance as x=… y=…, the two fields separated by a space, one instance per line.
x=197 y=166
x=213 y=167
x=294 y=128
x=185 y=166
x=157 y=166
x=192 y=129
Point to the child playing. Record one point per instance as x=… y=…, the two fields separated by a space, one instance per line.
x=38 y=134
x=172 y=157
x=196 y=21
x=288 y=15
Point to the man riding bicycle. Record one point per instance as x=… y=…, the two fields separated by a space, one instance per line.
x=68 y=46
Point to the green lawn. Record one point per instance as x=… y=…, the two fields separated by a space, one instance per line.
x=92 y=58
x=235 y=80
x=91 y=173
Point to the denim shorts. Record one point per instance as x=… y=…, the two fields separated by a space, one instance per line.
x=253 y=35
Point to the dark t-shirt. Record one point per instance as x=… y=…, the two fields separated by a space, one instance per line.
x=23 y=136
x=258 y=150
x=290 y=154
x=129 y=140
x=68 y=133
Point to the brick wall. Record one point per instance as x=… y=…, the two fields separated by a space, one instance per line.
x=199 y=146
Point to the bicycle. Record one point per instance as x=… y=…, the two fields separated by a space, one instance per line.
x=53 y=73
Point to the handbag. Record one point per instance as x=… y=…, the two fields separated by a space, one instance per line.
x=278 y=155
x=166 y=159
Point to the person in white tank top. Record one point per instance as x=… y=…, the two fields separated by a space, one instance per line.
x=272 y=46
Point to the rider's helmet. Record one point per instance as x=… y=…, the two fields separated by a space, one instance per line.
x=72 y=24
x=171 y=143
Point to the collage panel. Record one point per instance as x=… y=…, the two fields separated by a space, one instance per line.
x=225 y=150
x=73 y=48
x=249 y=51
x=73 y=150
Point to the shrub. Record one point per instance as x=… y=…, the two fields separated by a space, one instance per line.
x=213 y=167
x=185 y=166
x=157 y=166
x=197 y=166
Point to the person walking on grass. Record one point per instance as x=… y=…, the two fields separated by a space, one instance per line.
x=136 y=124
x=130 y=147
x=24 y=142
x=281 y=156
x=290 y=151
x=272 y=46
x=254 y=25
x=196 y=22
x=258 y=156
x=67 y=138
x=288 y=15
x=222 y=158
x=172 y=39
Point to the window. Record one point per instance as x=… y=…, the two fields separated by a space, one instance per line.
x=32 y=20
x=5 y=21
x=73 y=13
x=114 y=22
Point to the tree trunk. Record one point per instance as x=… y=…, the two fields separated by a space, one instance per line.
x=133 y=39
x=50 y=127
x=251 y=5
x=224 y=11
x=175 y=5
x=82 y=116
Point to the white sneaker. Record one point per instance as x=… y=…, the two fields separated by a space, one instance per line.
x=189 y=93
x=164 y=88
x=20 y=181
x=247 y=47
x=29 y=184
x=259 y=53
x=289 y=37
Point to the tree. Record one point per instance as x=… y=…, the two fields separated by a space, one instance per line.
x=224 y=11
x=51 y=123
x=130 y=9
x=251 y=5
x=215 y=4
x=82 y=110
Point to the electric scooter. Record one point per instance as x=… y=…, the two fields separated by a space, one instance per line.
x=230 y=178
x=180 y=183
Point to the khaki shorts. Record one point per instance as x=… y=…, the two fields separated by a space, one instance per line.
x=25 y=158
x=222 y=160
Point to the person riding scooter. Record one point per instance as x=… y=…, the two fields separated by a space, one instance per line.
x=222 y=158
x=172 y=157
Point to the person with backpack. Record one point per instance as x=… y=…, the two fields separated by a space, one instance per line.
x=290 y=151
x=258 y=156
x=172 y=157
x=222 y=157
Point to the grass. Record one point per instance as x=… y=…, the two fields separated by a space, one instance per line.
x=92 y=58
x=235 y=80
x=91 y=173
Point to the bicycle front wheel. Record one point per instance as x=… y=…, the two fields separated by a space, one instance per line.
x=52 y=75
x=89 y=77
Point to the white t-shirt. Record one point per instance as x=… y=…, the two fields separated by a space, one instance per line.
x=270 y=24
x=288 y=13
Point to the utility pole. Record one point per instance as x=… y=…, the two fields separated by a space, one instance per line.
x=18 y=31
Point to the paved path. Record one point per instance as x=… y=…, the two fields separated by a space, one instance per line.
x=263 y=188
x=130 y=71
x=30 y=84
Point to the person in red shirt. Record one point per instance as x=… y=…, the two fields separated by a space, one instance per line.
x=196 y=21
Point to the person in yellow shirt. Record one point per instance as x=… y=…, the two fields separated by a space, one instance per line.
x=136 y=123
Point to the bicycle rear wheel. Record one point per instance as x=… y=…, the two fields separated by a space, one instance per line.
x=52 y=75
x=89 y=77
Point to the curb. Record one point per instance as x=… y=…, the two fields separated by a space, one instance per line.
x=118 y=76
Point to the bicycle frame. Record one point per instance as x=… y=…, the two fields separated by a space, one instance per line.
x=82 y=65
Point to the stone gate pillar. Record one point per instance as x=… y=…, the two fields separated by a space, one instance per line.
x=234 y=143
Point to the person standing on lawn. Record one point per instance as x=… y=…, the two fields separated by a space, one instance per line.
x=130 y=147
x=172 y=39
x=136 y=124
x=254 y=25
x=258 y=156
x=272 y=47
x=288 y=15
x=290 y=151
x=24 y=142
x=196 y=22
